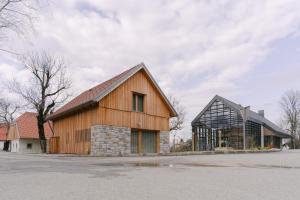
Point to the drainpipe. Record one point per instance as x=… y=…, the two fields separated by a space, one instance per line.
x=262 y=139
x=244 y=116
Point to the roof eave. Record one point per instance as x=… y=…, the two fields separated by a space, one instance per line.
x=64 y=113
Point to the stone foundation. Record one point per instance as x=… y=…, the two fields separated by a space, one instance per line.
x=164 y=142
x=110 y=140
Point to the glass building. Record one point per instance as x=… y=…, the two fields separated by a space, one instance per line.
x=225 y=124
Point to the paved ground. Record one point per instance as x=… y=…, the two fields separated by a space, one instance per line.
x=261 y=176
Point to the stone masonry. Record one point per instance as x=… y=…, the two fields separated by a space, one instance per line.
x=164 y=142
x=110 y=140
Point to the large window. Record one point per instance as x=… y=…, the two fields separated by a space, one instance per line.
x=142 y=141
x=137 y=102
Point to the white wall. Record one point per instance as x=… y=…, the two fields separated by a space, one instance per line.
x=14 y=146
x=23 y=146
x=1 y=145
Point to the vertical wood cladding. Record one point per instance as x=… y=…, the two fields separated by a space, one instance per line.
x=117 y=106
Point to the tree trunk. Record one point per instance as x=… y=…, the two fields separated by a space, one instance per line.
x=6 y=146
x=42 y=134
x=43 y=145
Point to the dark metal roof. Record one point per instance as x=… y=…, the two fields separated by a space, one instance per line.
x=252 y=116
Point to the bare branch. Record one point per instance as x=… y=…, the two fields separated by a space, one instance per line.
x=290 y=105
x=176 y=123
x=16 y=16
x=8 y=111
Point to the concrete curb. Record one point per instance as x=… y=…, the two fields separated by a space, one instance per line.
x=220 y=152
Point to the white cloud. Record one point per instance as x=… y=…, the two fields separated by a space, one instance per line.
x=194 y=48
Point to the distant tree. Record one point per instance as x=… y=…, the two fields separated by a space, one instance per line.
x=47 y=88
x=290 y=105
x=183 y=146
x=176 y=123
x=8 y=111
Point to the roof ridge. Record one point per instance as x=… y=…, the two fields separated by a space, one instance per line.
x=115 y=76
x=230 y=101
x=25 y=113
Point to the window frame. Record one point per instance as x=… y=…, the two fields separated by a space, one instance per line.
x=135 y=101
x=29 y=146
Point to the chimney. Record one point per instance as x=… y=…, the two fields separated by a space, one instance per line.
x=261 y=113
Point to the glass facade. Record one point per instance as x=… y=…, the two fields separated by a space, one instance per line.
x=222 y=126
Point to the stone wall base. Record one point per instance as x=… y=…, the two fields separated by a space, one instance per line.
x=110 y=140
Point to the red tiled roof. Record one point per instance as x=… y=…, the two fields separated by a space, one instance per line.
x=3 y=133
x=91 y=94
x=27 y=126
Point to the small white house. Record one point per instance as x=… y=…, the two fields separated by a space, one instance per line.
x=23 y=134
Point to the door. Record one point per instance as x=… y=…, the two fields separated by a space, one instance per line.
x=134 y=141
x=149 y=141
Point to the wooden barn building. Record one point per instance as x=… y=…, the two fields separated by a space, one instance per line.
x=128 y=114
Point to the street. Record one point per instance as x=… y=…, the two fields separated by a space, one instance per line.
x=265 y=176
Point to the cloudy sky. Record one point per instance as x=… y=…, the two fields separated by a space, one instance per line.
x=245 y=50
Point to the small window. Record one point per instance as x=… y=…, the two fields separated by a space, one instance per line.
x=138 y=102
x=29 y=146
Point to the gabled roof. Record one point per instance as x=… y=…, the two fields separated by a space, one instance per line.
x=3 y=132
x=27 y=128
x=252 y=116
x=95 y=94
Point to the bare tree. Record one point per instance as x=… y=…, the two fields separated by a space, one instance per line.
x=7 y=113
x=290 y=105
x=47 y=88
x=176 y=123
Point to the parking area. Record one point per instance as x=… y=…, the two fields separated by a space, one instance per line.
x=230 y=176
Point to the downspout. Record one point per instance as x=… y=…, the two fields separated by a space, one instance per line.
x=262 y=139
x=244 y=116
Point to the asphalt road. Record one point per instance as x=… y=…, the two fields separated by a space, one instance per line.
x=263 y=176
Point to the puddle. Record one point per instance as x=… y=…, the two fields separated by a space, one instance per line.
x=135 y=164
x=271 y=166
x=203 y=165
x=156 y=165
x=147 y=164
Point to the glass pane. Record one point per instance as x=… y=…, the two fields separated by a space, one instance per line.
x=134 y=102
x=140 y=103
x=134 y=141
